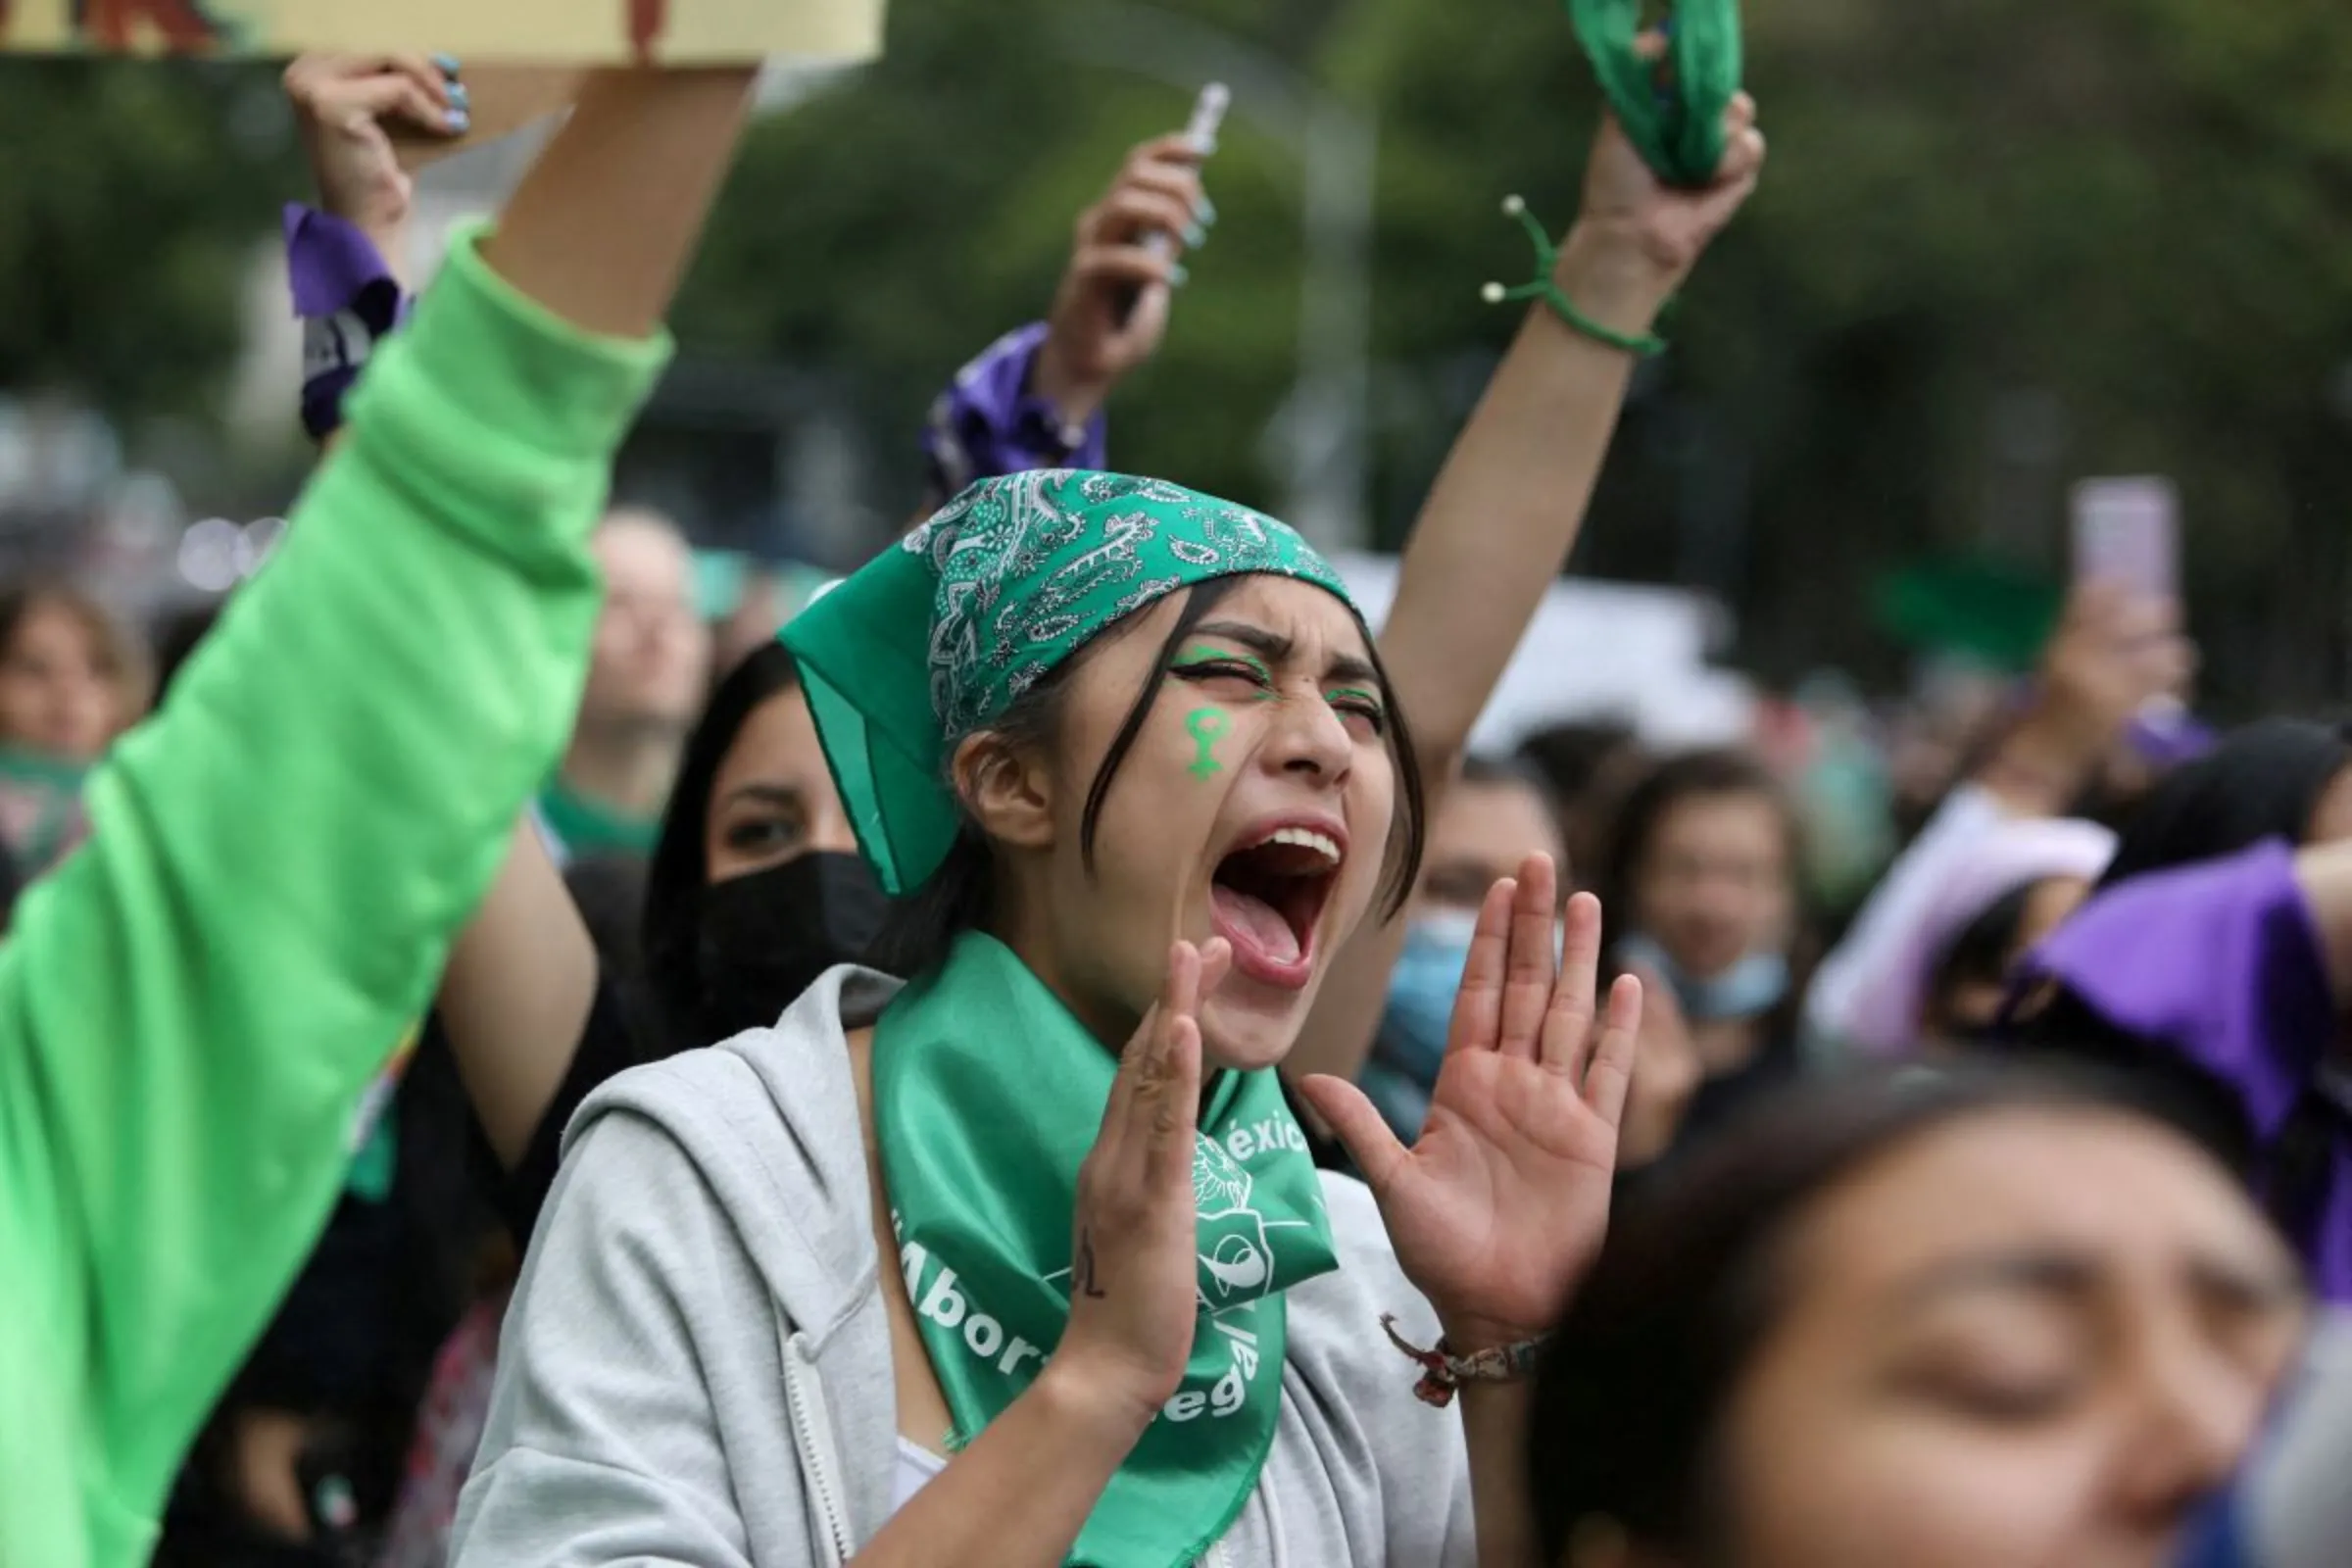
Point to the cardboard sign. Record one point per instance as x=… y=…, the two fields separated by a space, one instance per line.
x=674 y=32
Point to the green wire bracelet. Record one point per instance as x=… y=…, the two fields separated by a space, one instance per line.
x=1544 y=288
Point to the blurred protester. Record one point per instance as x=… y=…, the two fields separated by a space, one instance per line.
x=647 y=678
x=1998 y=864
x=2282 y=778
x=197 y=999
x=1958 y=1320
x=2021 y=883
x=1700 y=883
x=1587 y=766
x=71 y=679
x=1496 y=816
x=1954 y=714
x=1844 y=797
x=2225 y=981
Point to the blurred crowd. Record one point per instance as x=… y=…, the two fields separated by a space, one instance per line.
x=1974 y=1181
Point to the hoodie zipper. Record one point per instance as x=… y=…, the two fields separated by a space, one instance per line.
x=806 y=1399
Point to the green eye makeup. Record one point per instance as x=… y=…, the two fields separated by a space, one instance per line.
x=1204 y=656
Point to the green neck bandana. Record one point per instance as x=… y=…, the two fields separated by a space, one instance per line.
x=40 y=806
x=1679 y=131
x=585 y=828
x=936 y=639
x=987 y=1097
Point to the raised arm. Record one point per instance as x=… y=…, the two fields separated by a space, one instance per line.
x=2109 y=656
x=190 y=1008
x=522 y=975
x=1505 y=511
x=1034 y=398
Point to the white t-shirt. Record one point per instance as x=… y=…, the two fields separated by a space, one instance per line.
x=915 y=1467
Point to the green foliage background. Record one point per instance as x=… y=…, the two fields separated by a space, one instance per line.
x=2002 y=244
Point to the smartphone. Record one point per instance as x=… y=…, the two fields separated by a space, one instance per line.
x=2127 y=532
x=1208 y=116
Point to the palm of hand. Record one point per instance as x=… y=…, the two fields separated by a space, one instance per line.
x=1502 y=1201
x=1511 y=1152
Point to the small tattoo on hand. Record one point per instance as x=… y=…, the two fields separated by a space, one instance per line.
x=1082 y=1269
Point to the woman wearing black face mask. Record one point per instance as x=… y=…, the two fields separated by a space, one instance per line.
x=755 y=889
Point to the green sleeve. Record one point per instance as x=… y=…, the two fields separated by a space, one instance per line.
x=191 y=1007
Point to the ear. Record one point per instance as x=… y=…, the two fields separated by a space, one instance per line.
x=1010 y=793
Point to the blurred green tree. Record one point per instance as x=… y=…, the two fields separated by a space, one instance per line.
x=890 y=228
x=2002 y=244
x=132 y=197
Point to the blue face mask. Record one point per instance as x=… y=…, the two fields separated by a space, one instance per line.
x=1421 y=991
x=1749 y=989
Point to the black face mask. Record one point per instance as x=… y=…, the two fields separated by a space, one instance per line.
x=765 y=938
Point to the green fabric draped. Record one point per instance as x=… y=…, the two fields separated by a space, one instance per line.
x=1676 y=123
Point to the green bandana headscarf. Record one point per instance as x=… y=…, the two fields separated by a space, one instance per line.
x=988 y=1095
x=936 y=639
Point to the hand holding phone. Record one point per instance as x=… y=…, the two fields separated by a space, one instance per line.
x=2126 y=532
x=1200 y=132
x=1111 y=310
x=2127 y=536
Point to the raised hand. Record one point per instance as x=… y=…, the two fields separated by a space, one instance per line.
x=343 y=103
x=1111 y=310
x=2114 y=652
x=1499 y=1206
x=1670 y=225
x=1134 y=1265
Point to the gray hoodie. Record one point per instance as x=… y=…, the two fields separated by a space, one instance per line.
x=695 y=1369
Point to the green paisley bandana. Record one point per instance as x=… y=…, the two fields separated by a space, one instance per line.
x=987 y=1097
x=936 y=639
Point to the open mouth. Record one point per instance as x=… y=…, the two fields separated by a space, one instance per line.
x=1267 y=897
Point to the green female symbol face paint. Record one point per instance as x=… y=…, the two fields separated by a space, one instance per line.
x=1207 y=726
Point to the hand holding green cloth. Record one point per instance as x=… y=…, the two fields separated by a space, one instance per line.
x=937 y=638
x=988 y=1095
x=1678 y=128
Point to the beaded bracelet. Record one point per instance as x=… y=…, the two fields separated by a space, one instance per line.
x=1443 y=1372
x=1544 y=288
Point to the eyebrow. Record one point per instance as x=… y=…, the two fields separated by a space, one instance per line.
x=1276 y=648
x=2072 y=1275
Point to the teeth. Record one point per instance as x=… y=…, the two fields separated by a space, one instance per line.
x=1307 y=838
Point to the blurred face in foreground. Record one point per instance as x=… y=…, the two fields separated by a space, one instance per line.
x=1715 y=882
x=651 y=658
x=60 y=692
x=2030 y=1339
x=1484 y=832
